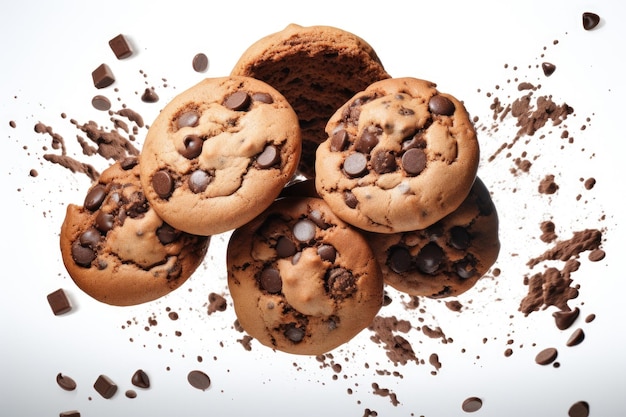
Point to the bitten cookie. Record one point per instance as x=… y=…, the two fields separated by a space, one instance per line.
x=219 y=153
x=302 y=281
x=118 y=250
x=400 y=155
x=447 y=258
x=318 y=68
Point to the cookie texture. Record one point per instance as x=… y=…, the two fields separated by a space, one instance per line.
x=302 y=281
x=118 y=250
x=219 y=153
x=399 y=156
x=447 y=258
x=317 y=68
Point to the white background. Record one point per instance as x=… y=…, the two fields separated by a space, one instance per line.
x=49 y=50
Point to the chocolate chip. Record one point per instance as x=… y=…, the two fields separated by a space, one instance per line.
x=341 y=282
x=317 y=217
x=239 y=100
x=130 y=393
x=384 y=162
x=105 y=221
x=102 y=76
x=548 y=68
x=167 y=234
x=200 y=62
x=565 y=318
x=265 y=98
x=415 y=141
x=129 y=162
x=140 y=379
x=90 y=238
x=327 y=253
x=101 y=103
x=579 y=409
x=163 y=184
x=65 y=382
x=441 y=105
x=472 y=404
x=546 y=356
x=95 y=197
x=82 y=256
x=355 y=165
x=120 y=47
x=576 y=338
x=399 y=259
x=339 y=141
x=149 y=96
x=459 y=238
x=270 y=280
x=192 y=146
x=429 y=258
x=350 y=199
x=199 y=380
x=414 y=161
x=590 y=20
x=198 y=181
x=465 y=268
x=189 y=118
x=269 y=157
x=367 y=141
x=304 y=230
x=71 y=413
x=293 y=333
x=285 y=247
x=105 y=386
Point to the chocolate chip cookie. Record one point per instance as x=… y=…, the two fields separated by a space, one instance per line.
x=219 y=153
x=118 y=250
x=302 y=281
x=399 y=156
x=447 y=258
x=318 y=68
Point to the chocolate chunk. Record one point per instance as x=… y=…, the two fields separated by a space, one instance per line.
x=414 y=161
x=269 y=157
x=200 y=62
x=198 y=181
x=350 y=199
x=65 y=382
x=285 y=247
x=294 y=333
x=105 y=386
x=102 y=76
x=237 y=101
x=95 y=197
x=149 y=96
x=429 y=258
x=339 y=141
x=415 y=141
x=163 y=184
x=341 y=282
x=100 y=103
x=441 y=105
x=120 y=47
x=546 y=356
x=193 y=146
x=465 y=268
x=140 y=379
x=355 y=165
x=199 y=380
x=130 y=393
x=71 y=413
x=576 y=338
x=459 y=238
x=104 y=221
x=579 y=409
x=82 y=255
x=270 y=280
x=317 y=217
x=565 y=318
x=367 y=141
x=384 y=162
x=590 y=20
x=129 y=162
x=304 y=230
x=189 y=118
x=167 y=234
x=472 y=404
x=327 y=253
x=548 y=68
x=262 y=98
x=90 y=238
x=399 y=259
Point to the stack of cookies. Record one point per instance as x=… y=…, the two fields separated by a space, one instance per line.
x=333 y=177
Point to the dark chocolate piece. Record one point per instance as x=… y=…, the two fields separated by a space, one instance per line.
x=95 y=197
x=193 y=146
x=293 y=333
x=304 y=230
x=65 y=382
x=105 y=386
x=564 y=319
x=140 y=379
x=188 y=119
x=271 y=281
x=590 y=20
x=384 y=162
x=546 y=356
x=121 y=47
x=355 y=165
x=548 y=68
x=200 y=62
x=163 y=184
x=131 y=393
x=149 y=96
x=237 y=101
x=414 y=161
x=339 y=141
x=263 y=98
x=579 y=409
x=269 y=157
x=472 y=404
x=199 y=380
x=71 y=413
x=102 y=76
x=285 y=247
x=576 y=338
x=441 y=105
x=198 y=181
x=59 y=303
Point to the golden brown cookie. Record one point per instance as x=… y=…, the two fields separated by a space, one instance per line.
x=219 y=153
x=399 y=156
x=318 y=68
x=118 y=250
x=447 y=258
x=302 y=281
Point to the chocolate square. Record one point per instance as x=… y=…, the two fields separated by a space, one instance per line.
x=105 y=386
x=59 y=302
x=102 y=76
x=120 y=46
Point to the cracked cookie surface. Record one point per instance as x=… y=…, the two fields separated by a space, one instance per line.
x=118 y=250
x=400 y=155
x=219 y=153
x=302 y=280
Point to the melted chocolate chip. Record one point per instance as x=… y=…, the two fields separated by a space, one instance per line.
x=339 y=141
x=285 y=247
x=163 y=184
x=239 y=100
x=270 y=280
x=198 y=181
x=350 y=199
x=341 y=282
x=459 y=238
x=294 y=333
x=105 y=221
x=327 y=253
x=384 y=162
x=441 y=105
x=429 y=258
x=414 y=161
x=167 y=234
x=269 y=157
x=95 y=197
x=355 y=165
x=304 y=230
x=193 y=146
x=189 y=118
x=367 y=141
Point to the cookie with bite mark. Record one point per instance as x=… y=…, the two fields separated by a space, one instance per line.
x=399 y=156
x=118 y=250
x=302 y=281
x=219 y=153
